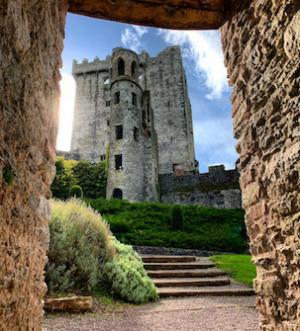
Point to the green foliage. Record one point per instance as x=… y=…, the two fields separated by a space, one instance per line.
x=239 y=267
x=8 y=175
x=91 y=178
x=84 y=257
x=127 y=276
x=177 y=222
x=63 y=180
x=76 y=191
x=149 y=224
x=80 y=244
x=69 y=174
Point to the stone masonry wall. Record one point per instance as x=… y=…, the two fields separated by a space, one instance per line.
x=30 y=47
x=219 y=188
x=165 y=79
x=262 y=55
x=91 y=125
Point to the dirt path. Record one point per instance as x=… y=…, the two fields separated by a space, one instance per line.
x=194 y=314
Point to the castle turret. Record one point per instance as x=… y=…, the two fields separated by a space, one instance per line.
x=126 y=143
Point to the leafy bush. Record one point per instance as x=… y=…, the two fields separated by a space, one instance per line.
x=91 y=178
x=80 y=244
x=149 y=224
x=63 y=180
x=177 y=218
x=84 y=257
x=127 y=276
x=76 y=191
x=69 y=173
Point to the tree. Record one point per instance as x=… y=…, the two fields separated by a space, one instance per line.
x=177 y=220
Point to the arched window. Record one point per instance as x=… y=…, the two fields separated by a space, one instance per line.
x=117 y=193
x=133 y=68
x=121 y=67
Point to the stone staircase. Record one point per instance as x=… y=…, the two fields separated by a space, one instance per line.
x=182 y=276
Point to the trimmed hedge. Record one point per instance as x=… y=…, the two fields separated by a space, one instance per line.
x=149 y=224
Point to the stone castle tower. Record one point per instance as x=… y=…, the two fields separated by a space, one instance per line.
x=134 y=110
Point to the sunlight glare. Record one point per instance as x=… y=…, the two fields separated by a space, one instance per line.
x=66 y=109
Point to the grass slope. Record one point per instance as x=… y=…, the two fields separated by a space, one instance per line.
x=238 y=266
x=149 y=224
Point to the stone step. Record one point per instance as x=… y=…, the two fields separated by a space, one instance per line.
x=167 y=258
x=165 y=292
x=199 y=273
x=178 y=266
x=190 y=282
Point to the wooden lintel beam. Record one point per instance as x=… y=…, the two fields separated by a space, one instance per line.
x=171 y=14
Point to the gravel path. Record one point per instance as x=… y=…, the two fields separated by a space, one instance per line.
x=190 y=314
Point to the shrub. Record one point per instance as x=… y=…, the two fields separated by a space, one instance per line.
x=148 y=224
x=80 y=244
x=76 y=191
x=91 y=178
x=127 y=276
x=84 y=257
x=63 y=180
x=69 y=173
x=177 y=218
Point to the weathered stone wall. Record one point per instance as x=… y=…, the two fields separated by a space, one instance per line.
x=262 y=55
x=219 y=188
x=30 y=46
x=91 y=124
x=131 y=177
x=165 y=79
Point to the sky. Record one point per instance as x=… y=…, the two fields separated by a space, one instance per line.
x=206 y=77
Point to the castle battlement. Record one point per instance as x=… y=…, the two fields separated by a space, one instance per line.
x=90 y=66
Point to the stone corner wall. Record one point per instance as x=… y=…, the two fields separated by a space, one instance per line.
x=30 y=47
x=262 y=55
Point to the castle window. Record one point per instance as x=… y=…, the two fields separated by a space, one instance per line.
x=117 y=193
x=107 y=103
x=136 y=134
x=134 y=99
x=133 y=68
x=117 y=98
x=102 y=157
x=121 y=67
x=118 y=161
x=107 y=122
x=119 y=132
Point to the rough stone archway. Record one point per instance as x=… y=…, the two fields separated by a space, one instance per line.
x=261 y=41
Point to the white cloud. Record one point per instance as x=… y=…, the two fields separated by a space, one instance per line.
x=66 y=109
x=215 y=141
x=204 y=49
x=131 y=37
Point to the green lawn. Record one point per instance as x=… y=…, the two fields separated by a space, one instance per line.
x=238 y=266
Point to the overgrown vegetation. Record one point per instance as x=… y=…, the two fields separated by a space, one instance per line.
x=79 y=178
x=80 y=245
x=128 y=277
x=238 y=266
x=149 y=224
x=84 y=257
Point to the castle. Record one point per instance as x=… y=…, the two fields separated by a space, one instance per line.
x=134 y=111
